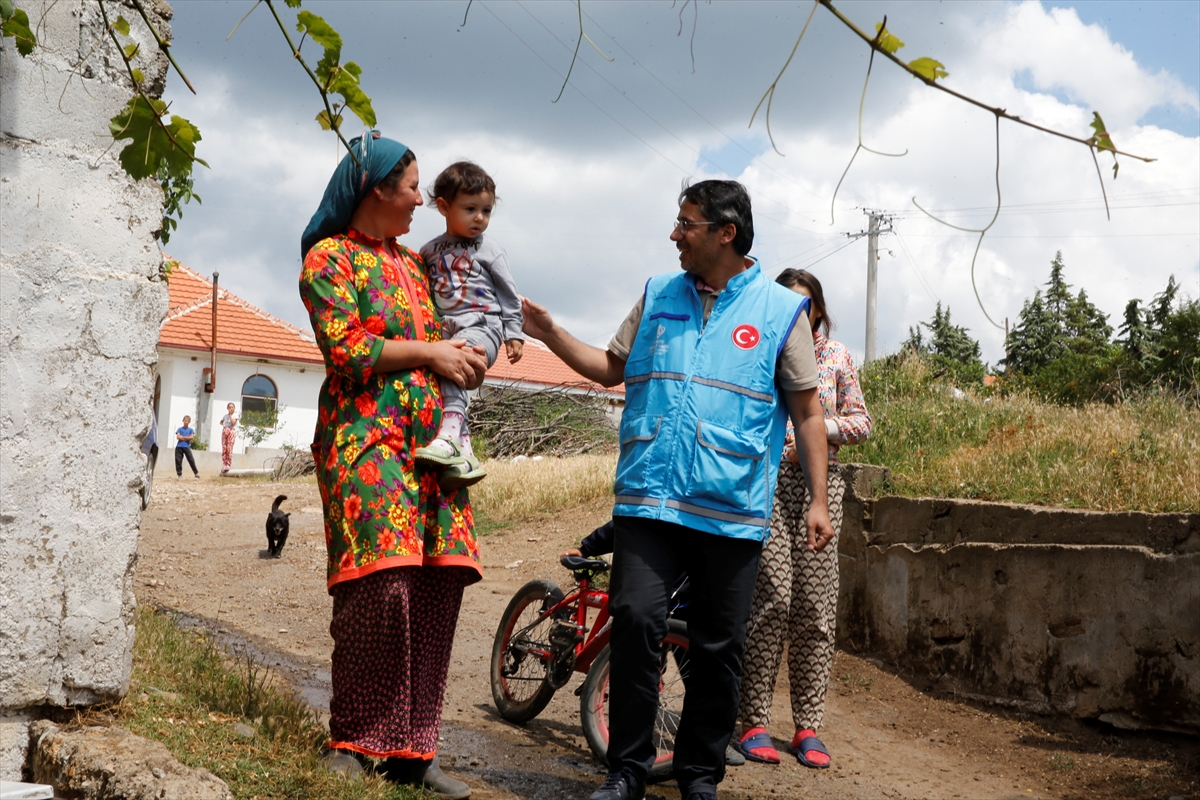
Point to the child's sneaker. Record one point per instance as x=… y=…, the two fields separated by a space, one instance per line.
x=442 y=450
x=465 y=473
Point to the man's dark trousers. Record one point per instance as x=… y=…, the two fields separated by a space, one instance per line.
x=180 y=452
x=647 y=559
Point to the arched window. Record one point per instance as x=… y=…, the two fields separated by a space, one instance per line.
x=260 y=401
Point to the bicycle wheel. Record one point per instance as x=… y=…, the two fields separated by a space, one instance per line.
x=673 y=669
x=148 y=478
x=520 y=666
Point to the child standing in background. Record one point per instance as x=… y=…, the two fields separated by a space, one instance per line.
x=478 y=302
x=228 y=437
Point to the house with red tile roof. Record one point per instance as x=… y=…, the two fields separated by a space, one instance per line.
x=264 y=362
x=540 y=369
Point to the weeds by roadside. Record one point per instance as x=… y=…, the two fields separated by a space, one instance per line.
x=531 y=488
x=1139 y=455
x=228 y=716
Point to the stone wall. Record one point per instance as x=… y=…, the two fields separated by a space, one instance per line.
x=80 y=305
x=1078 y=612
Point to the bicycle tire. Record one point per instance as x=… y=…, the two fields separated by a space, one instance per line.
x=148 y=477
x=520 y=687
x=593 y=702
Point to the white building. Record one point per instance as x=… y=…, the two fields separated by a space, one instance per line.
x=263 y=365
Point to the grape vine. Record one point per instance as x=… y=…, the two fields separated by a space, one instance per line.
x=929 y=71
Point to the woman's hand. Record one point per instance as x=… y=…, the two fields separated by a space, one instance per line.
x=454 y=360
x=574 y=551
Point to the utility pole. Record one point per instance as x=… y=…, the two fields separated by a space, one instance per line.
x=872 y=281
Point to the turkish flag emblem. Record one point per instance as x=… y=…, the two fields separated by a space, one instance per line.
x=746 y=337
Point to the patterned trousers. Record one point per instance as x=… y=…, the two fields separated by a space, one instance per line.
x=228 y=436
x=795 y=603
x=392 y=634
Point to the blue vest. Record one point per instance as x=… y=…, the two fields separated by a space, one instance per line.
x=704 y=420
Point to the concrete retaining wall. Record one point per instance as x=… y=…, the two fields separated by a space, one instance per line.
x=1085 y=613
x=80 y=305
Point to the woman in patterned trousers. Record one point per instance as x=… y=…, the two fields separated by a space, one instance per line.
x=795 y=598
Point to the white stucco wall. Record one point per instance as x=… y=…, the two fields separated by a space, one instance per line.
x=80 y=306
x=298 y=386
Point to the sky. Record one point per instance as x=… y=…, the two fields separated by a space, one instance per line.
x=588 y=185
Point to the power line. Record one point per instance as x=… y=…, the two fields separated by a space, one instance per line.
x=651 y=117
x=678 y=97
x=920 y=275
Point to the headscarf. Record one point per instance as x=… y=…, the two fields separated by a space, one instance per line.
x=350 y=183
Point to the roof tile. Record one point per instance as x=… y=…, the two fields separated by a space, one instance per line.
x=242 y=329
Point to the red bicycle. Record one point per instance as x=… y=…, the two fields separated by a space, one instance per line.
x=545 y=636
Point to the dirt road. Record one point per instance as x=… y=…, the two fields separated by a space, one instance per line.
x=202 y=552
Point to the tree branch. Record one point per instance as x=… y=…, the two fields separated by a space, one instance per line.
x=164 y=46
x=333 y=123
x=137 y=85
x=999 y=112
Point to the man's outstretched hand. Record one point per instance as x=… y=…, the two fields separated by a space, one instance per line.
x=537 y=320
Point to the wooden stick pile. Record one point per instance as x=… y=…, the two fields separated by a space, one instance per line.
x=293 y=464
x=507 y=422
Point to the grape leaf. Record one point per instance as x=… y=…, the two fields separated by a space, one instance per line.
x=121 y=26
x=7 y=9
x=345 y=83
x=292 y=3
x=154 y=143
x=1100 y=140
x=928 y=68
x=323 y=121
x=888 y=42
x=323 y=34
x=16 y=25
x=131 y=50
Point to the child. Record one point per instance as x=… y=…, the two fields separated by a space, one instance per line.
x=183 y=448
x=228 y=436
x=478 y=301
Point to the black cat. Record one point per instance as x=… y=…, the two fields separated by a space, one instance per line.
x=277 y=528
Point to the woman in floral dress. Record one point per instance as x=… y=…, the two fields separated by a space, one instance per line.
x=400 y=549
x=795 y=598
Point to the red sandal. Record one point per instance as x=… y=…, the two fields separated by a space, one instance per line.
x=756 y=745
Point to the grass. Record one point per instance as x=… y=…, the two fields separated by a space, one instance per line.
x=528 y=489
x=187 y=694
x=1138 y=455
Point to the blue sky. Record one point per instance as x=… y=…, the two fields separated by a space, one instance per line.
x=588 y=184
x=1163 y=35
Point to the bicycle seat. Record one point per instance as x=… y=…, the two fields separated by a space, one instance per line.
x=578 y=563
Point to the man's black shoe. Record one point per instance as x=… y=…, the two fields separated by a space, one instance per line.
x=622 y=785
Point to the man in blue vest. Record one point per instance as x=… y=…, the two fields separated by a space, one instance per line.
x=714 y=359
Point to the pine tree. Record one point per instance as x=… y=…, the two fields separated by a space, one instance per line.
x=1058 y=291
x=1136 y=334
x=949 y=346
x=1086 y=326
x=1035 y=340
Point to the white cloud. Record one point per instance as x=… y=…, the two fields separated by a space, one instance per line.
x=586 y=207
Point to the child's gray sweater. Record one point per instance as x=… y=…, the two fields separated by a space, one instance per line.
x=471 y=283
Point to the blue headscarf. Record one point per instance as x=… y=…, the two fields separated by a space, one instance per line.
x=349 y=185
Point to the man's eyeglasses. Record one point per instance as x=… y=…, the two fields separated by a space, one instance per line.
x=686 y=225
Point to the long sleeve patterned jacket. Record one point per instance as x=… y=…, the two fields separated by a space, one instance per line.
x=841 y=398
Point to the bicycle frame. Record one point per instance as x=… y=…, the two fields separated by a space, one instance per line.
x=593 y=639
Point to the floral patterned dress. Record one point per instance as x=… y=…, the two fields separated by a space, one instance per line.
x=382 y=508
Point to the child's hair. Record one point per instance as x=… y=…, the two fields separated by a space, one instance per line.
x=791 y=278
x=461 y=177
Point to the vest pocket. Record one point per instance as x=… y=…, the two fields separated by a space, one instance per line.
x=633 y=468
x=726 y=466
